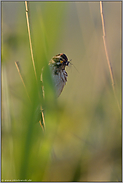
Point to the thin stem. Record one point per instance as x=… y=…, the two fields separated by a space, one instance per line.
x=28 y=25
x=30 y=42
x=18 y=69
x=106 y=52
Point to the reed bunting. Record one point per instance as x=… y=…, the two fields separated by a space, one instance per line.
x=57 y=67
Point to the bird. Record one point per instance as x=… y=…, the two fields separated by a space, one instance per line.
x=59 y=75
x=57 y=66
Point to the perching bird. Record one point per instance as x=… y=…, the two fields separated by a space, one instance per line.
x=57 y=66
x=59 y=76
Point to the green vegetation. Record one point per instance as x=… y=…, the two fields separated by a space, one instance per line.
x=82 y=140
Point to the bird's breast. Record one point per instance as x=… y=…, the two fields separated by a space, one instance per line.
x=59 y=79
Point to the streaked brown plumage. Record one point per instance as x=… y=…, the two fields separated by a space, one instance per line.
x=57 y=65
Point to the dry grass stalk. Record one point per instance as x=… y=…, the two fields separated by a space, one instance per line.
x=28 y=25
x=42 y=113
x=106 y=52
x=30 y=42
x=18 y=69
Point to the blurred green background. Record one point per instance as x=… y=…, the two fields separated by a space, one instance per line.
x=82 y=141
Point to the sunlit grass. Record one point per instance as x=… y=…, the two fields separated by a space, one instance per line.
x=82 y=139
